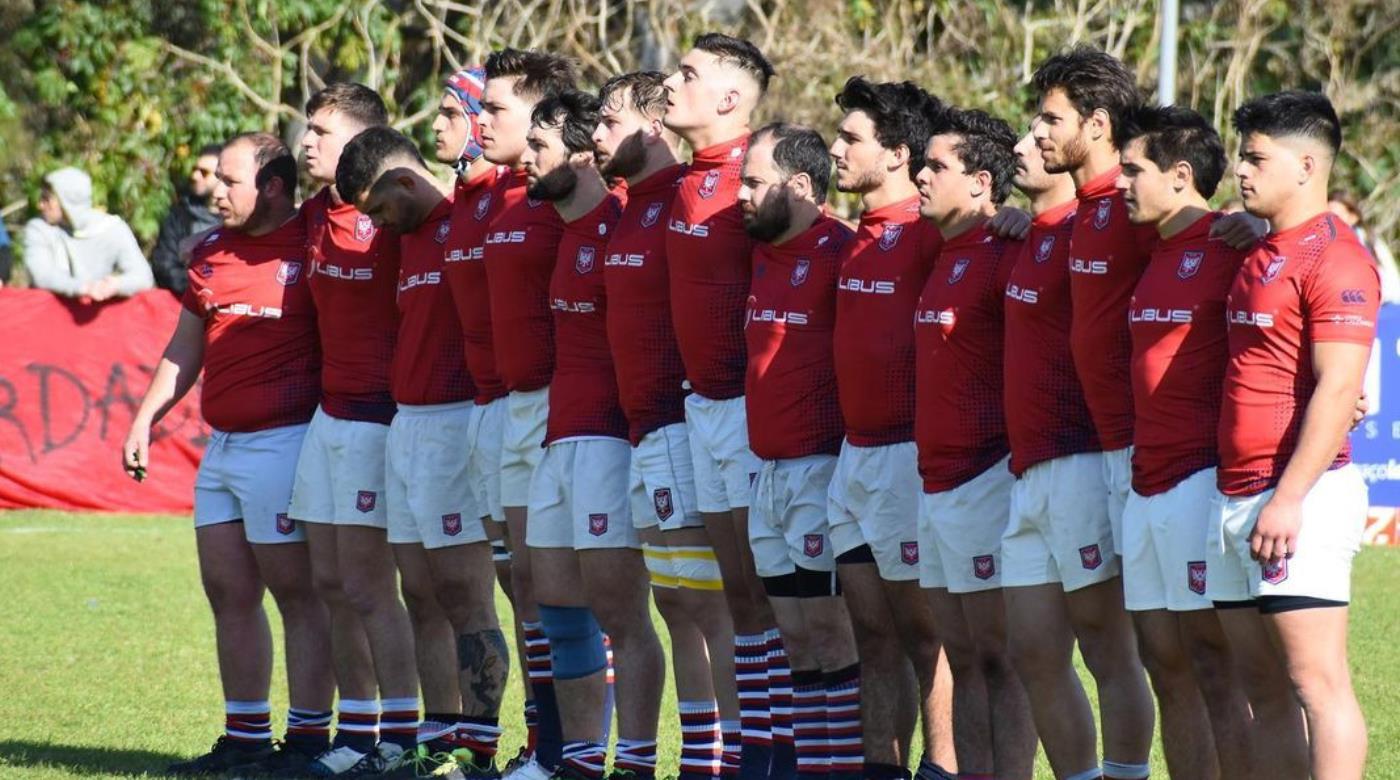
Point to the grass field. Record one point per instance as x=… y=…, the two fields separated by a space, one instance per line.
x=106 y=651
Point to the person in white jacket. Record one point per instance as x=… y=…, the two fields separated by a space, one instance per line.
x=74 y=250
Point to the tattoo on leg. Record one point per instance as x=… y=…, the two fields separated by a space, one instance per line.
x=484 y=661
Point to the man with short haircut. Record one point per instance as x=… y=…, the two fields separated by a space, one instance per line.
x=1302 y=317
x=249 y=323
x=339 y=487
x=960 y=427
x=794 y=425
x=712 y=96
x=518 y=255
x=1172 y=160
x=632 y=144
x=192 y=212
x=434 y=518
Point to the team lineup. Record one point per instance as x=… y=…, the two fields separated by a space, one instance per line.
x=875 y=478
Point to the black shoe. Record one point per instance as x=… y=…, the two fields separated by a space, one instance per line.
x=290 y=761
x=227 y=755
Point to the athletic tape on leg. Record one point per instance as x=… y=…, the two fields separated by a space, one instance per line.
x=575 y=641
x=696 y=568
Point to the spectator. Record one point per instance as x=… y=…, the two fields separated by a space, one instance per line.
x=189 y=214
x=1345 y=205
x=6 y=255
x=75 y=250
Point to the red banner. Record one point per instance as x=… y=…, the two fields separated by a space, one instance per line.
x=71 y=377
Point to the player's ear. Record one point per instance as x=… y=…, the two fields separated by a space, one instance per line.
x=729 y=100
x=898 y=157
x=800 y=185
x=1100 y=124
x=1183 y=176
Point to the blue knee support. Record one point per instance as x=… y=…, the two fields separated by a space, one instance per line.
x=575 y=641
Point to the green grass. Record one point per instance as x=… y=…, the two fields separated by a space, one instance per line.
x=107 y=657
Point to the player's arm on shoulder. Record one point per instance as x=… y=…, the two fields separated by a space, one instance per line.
x=1240 y=230
x=1010 y=223
x=178 y=369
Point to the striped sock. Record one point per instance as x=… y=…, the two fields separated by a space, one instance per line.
x=440 y=726
x=357 y=724
x=398 y=724
x=586 y=759
x=843 y=722
x=532 y=724
x=751 y=674
x=482 y=736
x=784 y=765
x=701 y=744
x=610 y=697
x=248 y=721
x=729 y=737
x=809 y=722
x=637 y=756
x=549 y=734
x=309 y=730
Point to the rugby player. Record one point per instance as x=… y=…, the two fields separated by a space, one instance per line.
x=339 y=487
x=1172 y=160
x=711 y=99
x=795 y=427
x=248 y=322
x=589 y=573
x=434 y=517
x=1302 y=318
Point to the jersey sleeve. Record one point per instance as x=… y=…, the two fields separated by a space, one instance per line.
x=1342 y=297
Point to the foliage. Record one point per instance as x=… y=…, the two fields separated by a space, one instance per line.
x=127 y=88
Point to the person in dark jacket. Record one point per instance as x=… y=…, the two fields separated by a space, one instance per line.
x=6 y=255
x=189 y=214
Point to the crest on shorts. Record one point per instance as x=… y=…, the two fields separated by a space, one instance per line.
x=285 y=525
x=1047 y=246
x=598 y=524
x=288 y=272
x=983 y=567
x=1102 y=214
x=710 y=184
x=444 y=227
x=1275 y=571
x=364 y=228
x=959 y=268
x=909 y=553
x=800 y=271
x=583 y=263
x=661 y=500
x=483 y=204
x=812 y=545
x=890 y=237
x=365 y=500
x=1196 y=577
x=653 y=212
x=452 y=524
x=1272 y=271
x=1190 y=264
x=1091 y=557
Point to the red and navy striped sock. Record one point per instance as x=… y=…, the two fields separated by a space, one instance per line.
x=585 y=759
x=357 y=724
x=398 y=723
x=701 y=745
x=636 y=756
x=844 y=737
x=309 y=730
x=482 y=736
x=809 y=723
x=532 y=725
x=248 y=721
x=784 y=766
x=755 y=720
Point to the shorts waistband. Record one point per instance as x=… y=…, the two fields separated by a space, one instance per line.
x=434 y=408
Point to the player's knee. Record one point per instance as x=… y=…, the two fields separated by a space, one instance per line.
x=228 y=596
x=575 y=641
x=328 y=584
x=1035 y=659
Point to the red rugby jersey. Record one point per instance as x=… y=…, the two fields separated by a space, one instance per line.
x=262 y=360
x=354 y=272
x=882 y=273
x=429 y=364
x=1107 y=254
x=1177 y=318
x=789 y=326
x=709 y=253
x=520 y=248
x=583 y=397
x=1046 y=416
x=650 y=374
x=475 y=203
x=1312 y=283
x=959 y=422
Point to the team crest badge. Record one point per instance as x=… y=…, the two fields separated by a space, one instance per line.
x=983 y=567
x=661 y=501
x=598 y=524
x=532 y=202
x=890 y=237
x=483 y=204
x=583 y=263
x=800 y=271
x=1101 y=215
x=909 y=553
x=204 y=270
x=364 y=228
x=1272 y=271
x=211 y=238
x=1275 y=572
x=1190 y=264
x=452 y=524
x=1196 y=577
x=365 y=500
x=652 y=214
x=444 y=227
x=288 y=272
x=812 y=545
x=285 y=525
x=1042 y=252
x=959 y=268
x=1091 y=557
x=710 y=184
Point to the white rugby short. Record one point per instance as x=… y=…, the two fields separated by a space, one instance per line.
x=248 y=477
x=960 y=532
x=1059 y=529
x=484 y=456
x=787 y=522
x=724 y=466
x=1334 y=518
x=430 y=499
x=1118 y=477
x=579 y=499
x=1164 y=546
x=662 y=481
x=522 y=443
x=340 y=475
x=874 y=500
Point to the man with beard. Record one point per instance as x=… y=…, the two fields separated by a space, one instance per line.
x=632 y=144
x=434 y=519
x=249 y=323
x=191 y=213
x=795 y=428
